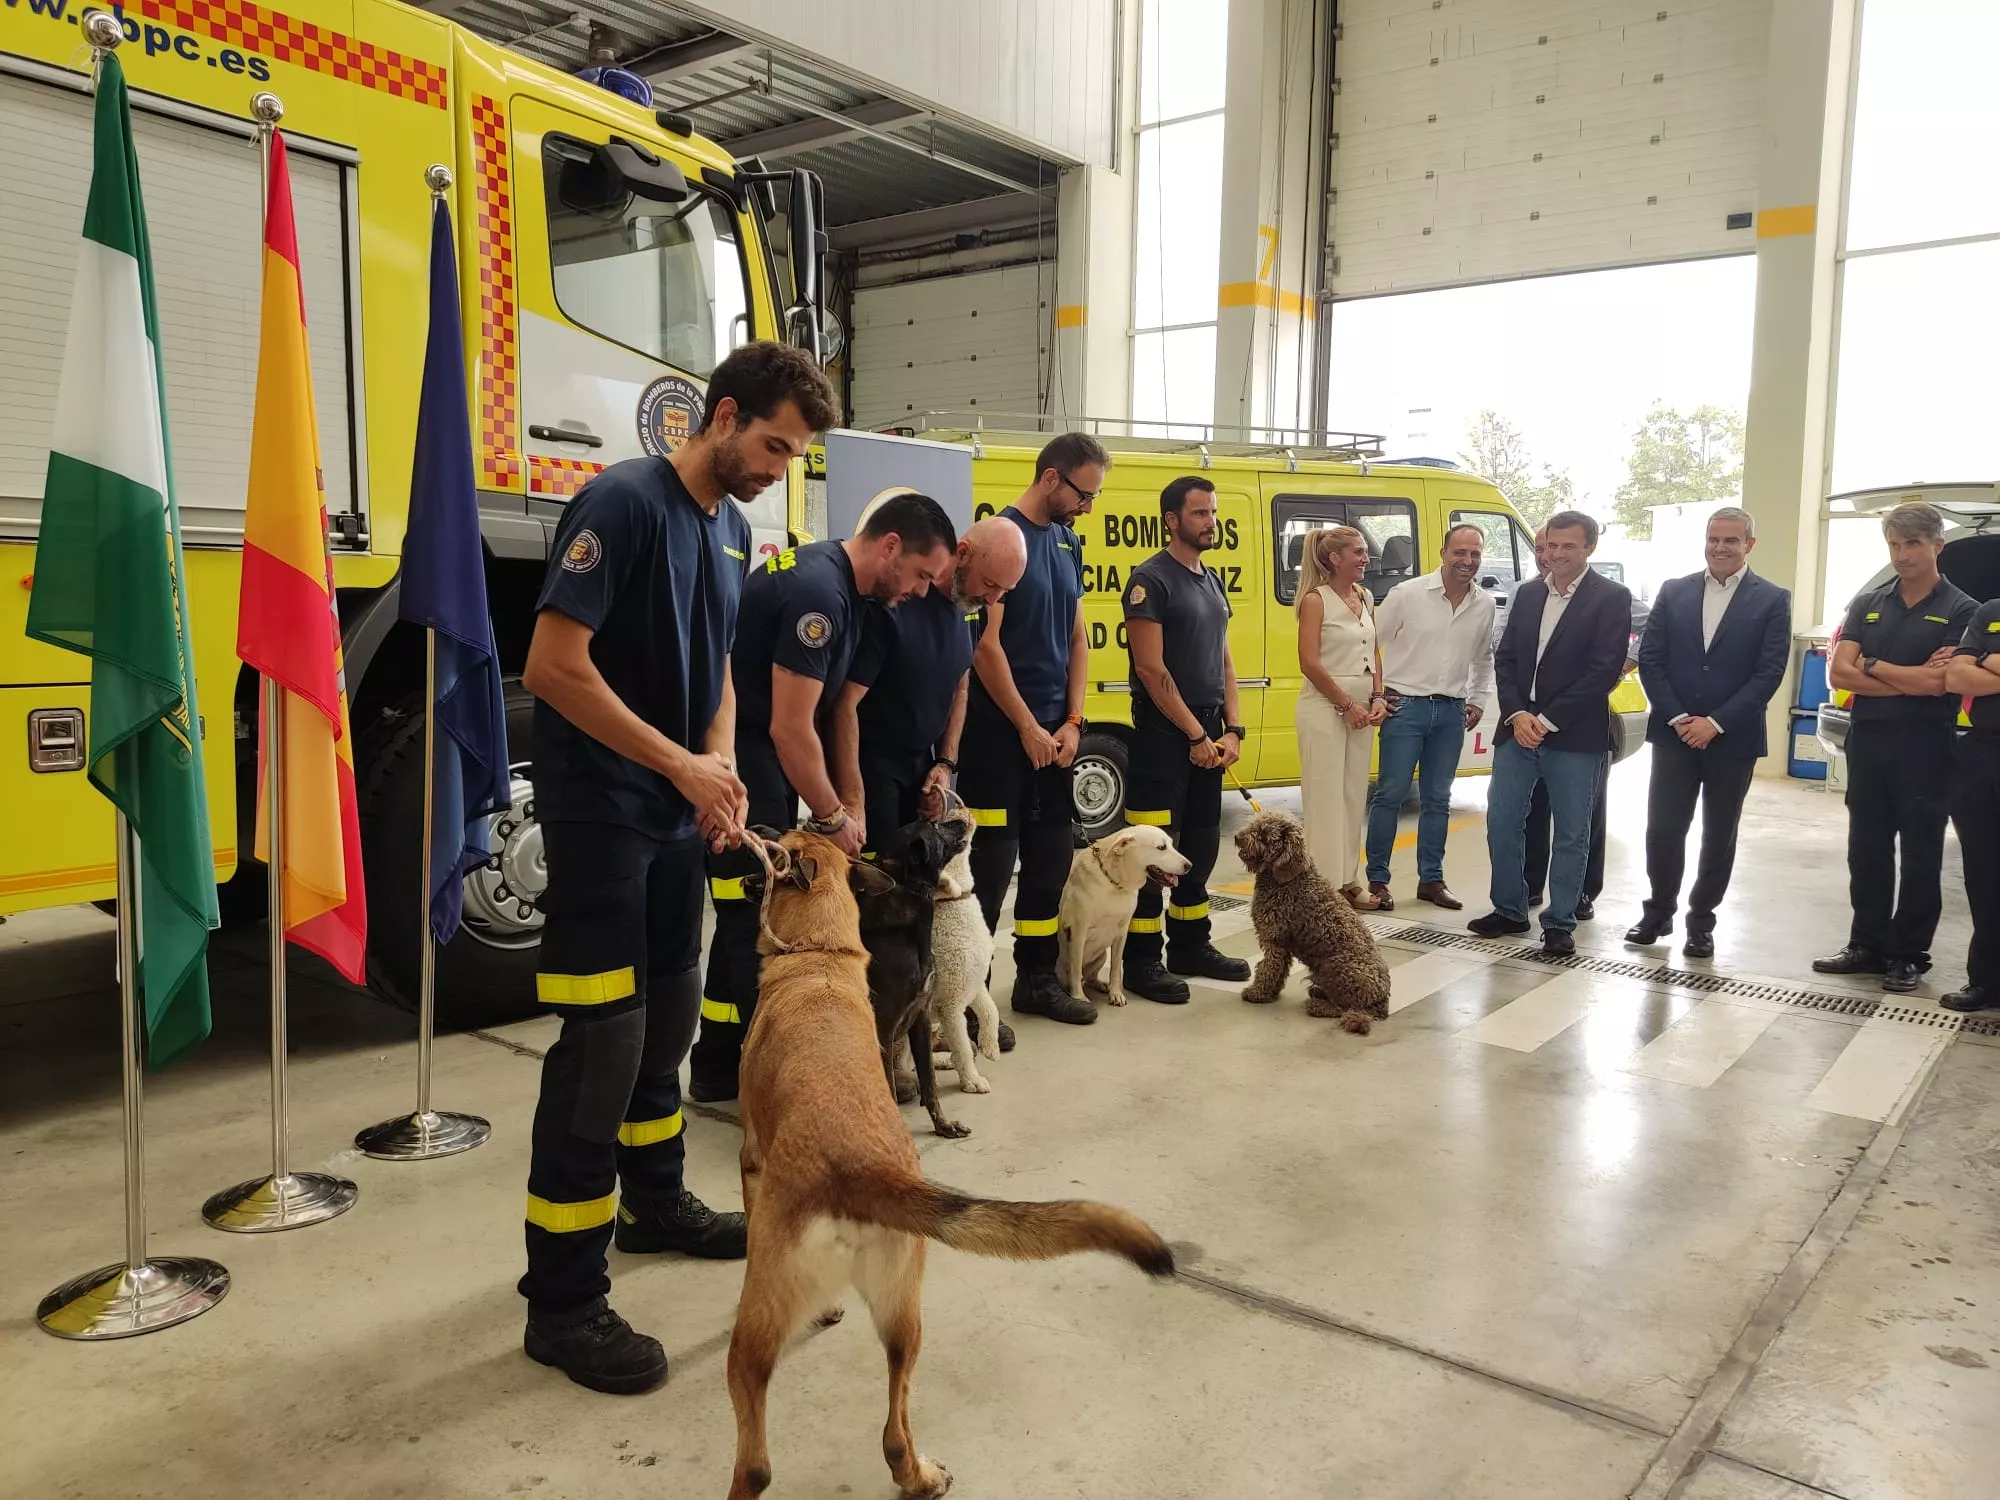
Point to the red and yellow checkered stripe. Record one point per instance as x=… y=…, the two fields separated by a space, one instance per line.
x=559 y=478
x=270 y=33
x=500 y=465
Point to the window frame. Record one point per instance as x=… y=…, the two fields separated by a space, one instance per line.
x=1286 y=508
x=1521 y=544
x=552 y=194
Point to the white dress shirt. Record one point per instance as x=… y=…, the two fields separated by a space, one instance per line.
x=1716 y=594
x=1431 y=646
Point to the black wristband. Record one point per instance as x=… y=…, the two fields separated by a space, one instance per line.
x=947 y=762
x=1198 y=739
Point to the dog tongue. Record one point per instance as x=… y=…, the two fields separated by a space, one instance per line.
x=1164 y=878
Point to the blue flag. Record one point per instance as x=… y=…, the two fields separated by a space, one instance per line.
x=444 y=589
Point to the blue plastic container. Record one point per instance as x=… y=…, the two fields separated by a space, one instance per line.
x=1813 y=690
x=1808 y=755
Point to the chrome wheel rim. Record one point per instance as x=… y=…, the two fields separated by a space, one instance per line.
x=503 y=896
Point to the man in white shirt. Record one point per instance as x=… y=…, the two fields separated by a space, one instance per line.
x=1435 y=633
x=1713 y=655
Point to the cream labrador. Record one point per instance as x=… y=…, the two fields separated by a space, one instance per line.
x=1098 y=902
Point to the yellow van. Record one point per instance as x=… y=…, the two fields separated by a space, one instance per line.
x=1268 y=498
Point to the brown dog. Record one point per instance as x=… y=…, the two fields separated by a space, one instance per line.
x=830 y=1175
x=1298 y=914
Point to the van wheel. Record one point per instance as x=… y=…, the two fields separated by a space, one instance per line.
x=1103 y=771
x=486 y=973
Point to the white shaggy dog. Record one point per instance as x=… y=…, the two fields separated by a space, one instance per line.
x=961 y=955
x=1098 y=902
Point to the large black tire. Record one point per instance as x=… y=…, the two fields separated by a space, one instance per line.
x=480 y=982
x=1103 y=778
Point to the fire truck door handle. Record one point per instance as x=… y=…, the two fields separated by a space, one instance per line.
x=566 y=435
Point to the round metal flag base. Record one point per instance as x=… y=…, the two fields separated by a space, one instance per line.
x=117 y=1302
x=419 y=1137
x=267 y=1204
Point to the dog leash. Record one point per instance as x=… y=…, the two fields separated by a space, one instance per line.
x=1254 y=807
x=777 y=862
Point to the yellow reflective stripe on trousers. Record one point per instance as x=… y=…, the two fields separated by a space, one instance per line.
x=988 y=817
x=1188 y=913
x=1153 y=819
x=586 y=989
x=729 y=889
x=720 y=1010
x=568 y=1218
x=1143 y=924
x=650 y=1132
x=1034 y=927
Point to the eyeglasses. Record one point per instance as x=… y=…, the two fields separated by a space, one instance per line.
x=1086 y=496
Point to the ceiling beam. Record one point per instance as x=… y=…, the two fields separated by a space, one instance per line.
x=821 y=131
x=928 y=224
x=678 y=59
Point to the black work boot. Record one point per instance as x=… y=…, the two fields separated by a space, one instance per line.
x=1037 y=992
x=972 y=1030
x=687 y=1226
x=1149 y=981
x=596 y=1348
x=711 y=1085
x=1207 y=962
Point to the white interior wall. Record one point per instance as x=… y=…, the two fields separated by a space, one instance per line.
x=965 y=343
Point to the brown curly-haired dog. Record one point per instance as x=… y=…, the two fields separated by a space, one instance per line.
x=1298 y=914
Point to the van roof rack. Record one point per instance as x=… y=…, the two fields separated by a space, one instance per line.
x=1125 y=435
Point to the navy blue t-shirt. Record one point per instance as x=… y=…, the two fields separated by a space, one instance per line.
x=1037 y=619
x=802 y=612
x=658 y=580
x=911 y=660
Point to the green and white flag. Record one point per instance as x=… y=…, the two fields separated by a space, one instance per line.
x=108 y=573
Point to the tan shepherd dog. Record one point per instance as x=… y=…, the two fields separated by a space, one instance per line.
x=830 y=1174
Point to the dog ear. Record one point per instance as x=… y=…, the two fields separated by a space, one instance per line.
x=865 y=880
x=804 y=870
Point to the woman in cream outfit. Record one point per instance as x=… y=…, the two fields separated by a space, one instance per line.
x=1340 y=703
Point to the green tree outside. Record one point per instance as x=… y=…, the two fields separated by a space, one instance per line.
x=1496 y=449
x=1679 y=459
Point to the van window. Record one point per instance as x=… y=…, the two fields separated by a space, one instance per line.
x=1508 y=552
x=1390 y=527
x=666 y=279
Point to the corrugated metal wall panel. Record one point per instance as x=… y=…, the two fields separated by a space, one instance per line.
x=1486 y=139
x=1040 y=71
x=971 y=342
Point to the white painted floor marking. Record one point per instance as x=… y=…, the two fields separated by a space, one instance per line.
x=1547 y=1011
x=1875 y=1071
x=1704 y=1044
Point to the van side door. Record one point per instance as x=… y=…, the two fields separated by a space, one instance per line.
x=1297 y=505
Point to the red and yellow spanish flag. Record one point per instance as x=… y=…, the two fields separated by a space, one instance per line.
x=288 y=628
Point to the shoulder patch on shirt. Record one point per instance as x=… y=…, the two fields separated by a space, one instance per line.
x=1937 y=619
x=815 y=630
x=585 y=552
x=1874 y=614
x=740 y=557
x=1993 y=627
x=1138 y=594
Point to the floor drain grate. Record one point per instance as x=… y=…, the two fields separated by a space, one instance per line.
x=1864 y=1006
x=1226 y=903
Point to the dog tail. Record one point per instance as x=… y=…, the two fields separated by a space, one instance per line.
x=1011 y=1231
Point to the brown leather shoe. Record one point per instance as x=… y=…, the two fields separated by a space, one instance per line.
x=1439 y=894
x=1380 y=891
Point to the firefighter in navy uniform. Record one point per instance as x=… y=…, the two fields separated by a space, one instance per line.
x=634 y=773
x=802 y=621
x=1025 y=719
x=1892 y=656
x=1186 y=731
x=1975 y=805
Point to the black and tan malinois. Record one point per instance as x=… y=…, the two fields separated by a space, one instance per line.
x=830 y=1174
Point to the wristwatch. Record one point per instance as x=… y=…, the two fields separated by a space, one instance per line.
x=1238 y=730
x=1076 y=719
x=833 y=822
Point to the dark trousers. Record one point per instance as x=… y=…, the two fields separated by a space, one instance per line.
x=1018 y=814
x=1539 y=821
x=729 y=990
x=1975 y=808
x=1680 y=775
x=617 y=963
x=890 y=782
x=1168 y=791
x=1898 y=802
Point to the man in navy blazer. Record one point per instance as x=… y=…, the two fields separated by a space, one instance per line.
x=1558 y=660
x=1713 y=654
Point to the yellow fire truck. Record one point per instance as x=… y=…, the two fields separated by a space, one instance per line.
x=608 y=260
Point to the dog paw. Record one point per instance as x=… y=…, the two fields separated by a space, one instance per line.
x=1259 y=997
x=951 y=1130
x=989 y=1048
x=830 y=1317
x=1116 y=997
x=933 y=1480
x=941 y=1062
x=974 y=1083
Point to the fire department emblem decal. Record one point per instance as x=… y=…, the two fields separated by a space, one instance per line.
x=1138 y=594
x=584 y=553
x=669 y=411
x=814 y=630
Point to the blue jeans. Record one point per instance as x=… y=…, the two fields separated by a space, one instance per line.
x=1424 y=736
x=1571 y=777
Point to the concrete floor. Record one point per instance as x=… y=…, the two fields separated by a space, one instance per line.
x=1550 y=1234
